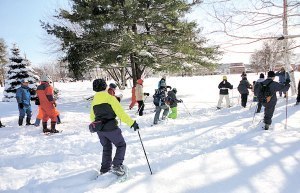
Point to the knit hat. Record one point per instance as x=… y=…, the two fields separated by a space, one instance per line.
x=99 y=85
x=261 y=75
x=112 y=85
x=224 y=77
x=45 y=78
x=140 y=81
x=271 y=74
x=24 y=80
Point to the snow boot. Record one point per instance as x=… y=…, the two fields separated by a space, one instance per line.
x=267 y=127
x=53 y=130
x=118 y=170
x=58 y=120
x=45 y=129
x=21 y=121
x=28 y=121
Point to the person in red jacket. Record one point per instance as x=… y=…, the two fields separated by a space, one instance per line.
x=47 y=103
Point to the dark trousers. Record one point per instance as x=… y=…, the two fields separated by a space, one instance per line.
x=107 y=139
x=141 y=106
x=269 y=111
x=244 y=98
x=259 y=105
x=298 y=98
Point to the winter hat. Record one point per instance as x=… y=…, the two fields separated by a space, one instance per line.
x=261 y=75
x=45 y=78
x=164 y=77
x=174 y=90
x=140 y=81
x=271 y=74
x=112 y=85
x=163 y=84
x=99 y=85
x=224 y=77
x=24 y=80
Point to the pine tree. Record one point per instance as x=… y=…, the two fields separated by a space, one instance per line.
x=18 y=69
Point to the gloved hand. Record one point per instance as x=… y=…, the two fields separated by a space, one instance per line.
x=146 y=94
x=287 y=81
x=180 y=100
x=169 y=87
x=21 y=106
x=135 y=126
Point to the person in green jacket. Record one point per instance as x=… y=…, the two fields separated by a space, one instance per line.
x=104 y=109
x=172 y=100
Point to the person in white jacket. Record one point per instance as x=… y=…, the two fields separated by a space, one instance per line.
x=139 y=94
x=259 y=81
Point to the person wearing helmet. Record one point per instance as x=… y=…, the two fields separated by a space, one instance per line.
x=47 y=104
x=104 y=110
x=139 y=95
x=224 y=86
x=112 y=91
x=172 y=100
x=23 y=97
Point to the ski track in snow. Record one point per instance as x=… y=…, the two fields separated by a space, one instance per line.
x=211 y=151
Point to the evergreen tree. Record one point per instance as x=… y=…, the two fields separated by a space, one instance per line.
x=18 y=69
x=144 y=33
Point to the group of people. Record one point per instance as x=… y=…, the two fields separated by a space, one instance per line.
x=44 y=98
x=264 y=92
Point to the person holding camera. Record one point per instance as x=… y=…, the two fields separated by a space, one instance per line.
x=104 y=110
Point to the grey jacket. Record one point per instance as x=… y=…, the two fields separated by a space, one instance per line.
x=244 y=86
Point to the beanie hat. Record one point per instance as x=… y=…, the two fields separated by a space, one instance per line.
x=224 y=77
x=45 y=78
x=112 y=85
x=261 y=75
x=140 y=81
x=24 y=80
x=174 y=90
x=99 y=85
x=271 y=74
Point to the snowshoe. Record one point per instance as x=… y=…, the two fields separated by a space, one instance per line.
x=119 y=170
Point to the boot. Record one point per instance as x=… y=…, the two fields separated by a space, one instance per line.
x=21 y=121
x=118 y=170
x=267 y=127
x=53 y=130
x=45 y=129
x=28 y=121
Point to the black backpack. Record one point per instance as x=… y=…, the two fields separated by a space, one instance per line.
x=264 y=95
x=159 y=97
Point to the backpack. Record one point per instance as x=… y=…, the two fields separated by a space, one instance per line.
x=158 y=97
x=265 y=95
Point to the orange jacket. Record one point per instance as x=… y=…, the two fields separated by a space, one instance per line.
x=45 y=95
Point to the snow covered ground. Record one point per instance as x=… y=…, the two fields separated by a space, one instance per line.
x=208 y=152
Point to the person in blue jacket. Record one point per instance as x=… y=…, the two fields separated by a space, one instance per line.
x=23 y=97
x=283 y=76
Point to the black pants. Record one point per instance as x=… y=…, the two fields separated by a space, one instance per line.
x=259 y=105
x=141 y=107
x=244 y=98
x=269 y=111
x=298 y=98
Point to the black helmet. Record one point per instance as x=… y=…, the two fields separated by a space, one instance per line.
x=99 y=85
x=174 y=90
x=112 y=85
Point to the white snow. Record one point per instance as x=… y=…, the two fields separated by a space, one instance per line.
x=208 y=152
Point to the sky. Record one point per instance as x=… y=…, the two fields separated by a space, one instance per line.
x=20 y=24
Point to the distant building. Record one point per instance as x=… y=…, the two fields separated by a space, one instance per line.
x=237 y=68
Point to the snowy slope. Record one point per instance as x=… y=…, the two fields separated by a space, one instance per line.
x=210 y=151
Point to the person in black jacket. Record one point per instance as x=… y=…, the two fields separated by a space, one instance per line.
x=270 y=104
x=172 y=100
x=224 y=86
x=243 y=89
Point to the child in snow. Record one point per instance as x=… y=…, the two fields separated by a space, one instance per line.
x=139 y=95
x=159 y=100
x=47 y=103
x=243 y=90
x=224 y=86
x=270 y=104
x=172 y=100
x=104 y=110
x=23 y=97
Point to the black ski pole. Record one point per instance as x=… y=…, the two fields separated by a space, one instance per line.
x=145 y=152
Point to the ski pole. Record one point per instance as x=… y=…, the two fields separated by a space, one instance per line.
x=144 y=152
x=286 y=110
x=186 y=109
x=138 y=111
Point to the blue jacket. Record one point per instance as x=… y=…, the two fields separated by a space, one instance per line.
x=23 y=95
x=283 y=76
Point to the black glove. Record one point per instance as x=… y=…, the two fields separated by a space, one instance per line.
x=180 y=101
x=287 y=81
x=146 y=94
x=21 y=106
x=135 y=126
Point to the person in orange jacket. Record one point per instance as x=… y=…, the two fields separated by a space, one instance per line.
x=47 y=104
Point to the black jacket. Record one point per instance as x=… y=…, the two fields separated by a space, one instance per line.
x=224 y=86
x=172 y=99
x=244 y=86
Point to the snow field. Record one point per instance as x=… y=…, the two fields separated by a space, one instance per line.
x=210 y=151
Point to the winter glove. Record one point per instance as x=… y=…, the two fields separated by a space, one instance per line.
x=287 y=81
x=21 y=106
x=135 y=126
x=146 y=94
